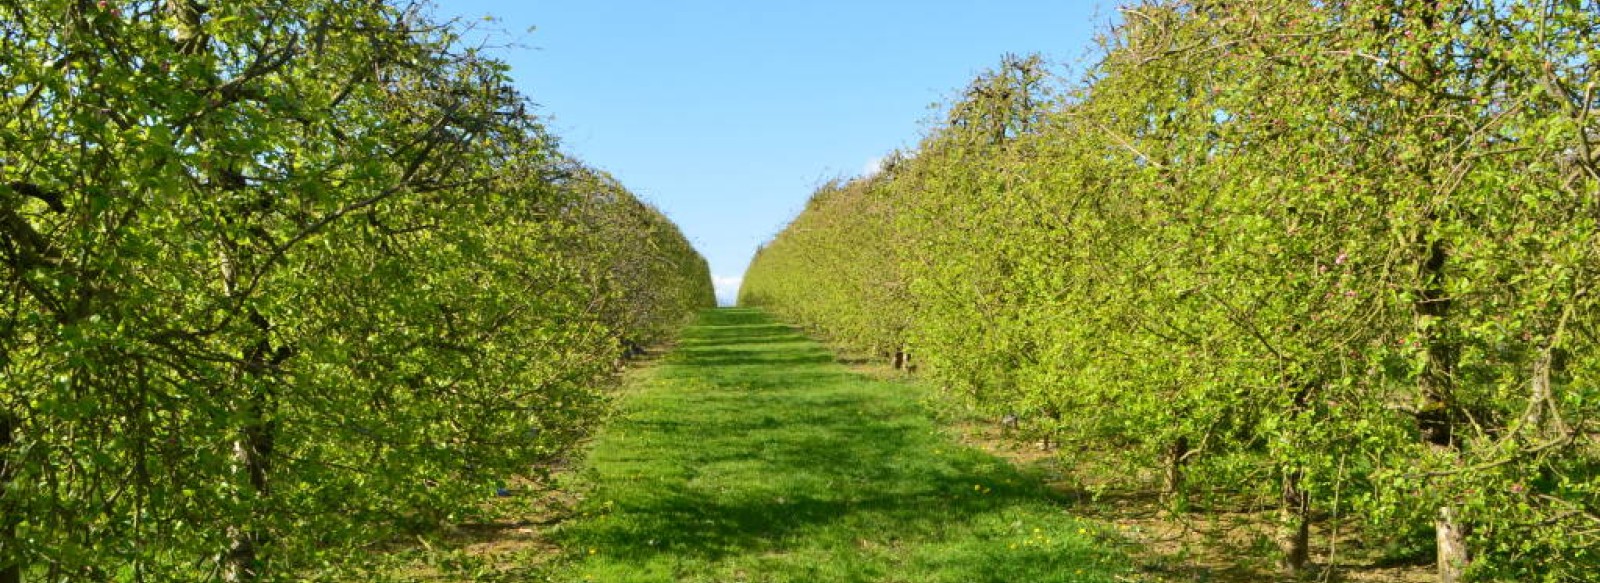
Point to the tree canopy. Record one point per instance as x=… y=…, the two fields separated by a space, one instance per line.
x=1336 y=255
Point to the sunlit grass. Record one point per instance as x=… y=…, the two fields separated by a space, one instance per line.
x=749 y=455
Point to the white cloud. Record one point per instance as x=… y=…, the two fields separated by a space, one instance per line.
x=874 y=166
x=727 y=287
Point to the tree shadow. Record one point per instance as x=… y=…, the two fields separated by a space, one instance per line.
x=843 y=470
x=783 y=444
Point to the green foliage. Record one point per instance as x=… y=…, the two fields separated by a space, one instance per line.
x=283 y=277
x=846 y=241
x=1350 y=243
x=654 y=276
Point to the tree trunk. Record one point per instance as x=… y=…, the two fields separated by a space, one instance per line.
x=1437 y=418
x=9 y=572
x=1054 y=415
x=252 y=455
x=1172 y=485
x=1452 y=545
x=1539 y=391
x=900 y=359
x=1294 y=526
x=1436 y=384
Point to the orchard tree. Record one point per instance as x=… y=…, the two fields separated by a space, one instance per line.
x=281 y=278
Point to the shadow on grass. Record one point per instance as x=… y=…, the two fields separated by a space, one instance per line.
x=754 y=444
x=736 y=357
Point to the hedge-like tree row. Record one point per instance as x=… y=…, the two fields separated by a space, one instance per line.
x=281 y=278
x=1342 y=256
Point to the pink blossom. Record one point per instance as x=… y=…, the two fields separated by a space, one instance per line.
x=1341 y=258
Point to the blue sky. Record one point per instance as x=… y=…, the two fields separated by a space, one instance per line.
x=727 y=114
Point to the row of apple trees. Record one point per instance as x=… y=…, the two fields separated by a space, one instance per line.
x=280 y=279
x=1341 y=257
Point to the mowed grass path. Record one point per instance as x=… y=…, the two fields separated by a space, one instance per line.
x=749 y=455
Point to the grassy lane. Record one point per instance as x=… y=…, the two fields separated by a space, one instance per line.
x=749 y=455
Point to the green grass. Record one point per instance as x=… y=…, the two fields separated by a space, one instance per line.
x=749 y=455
